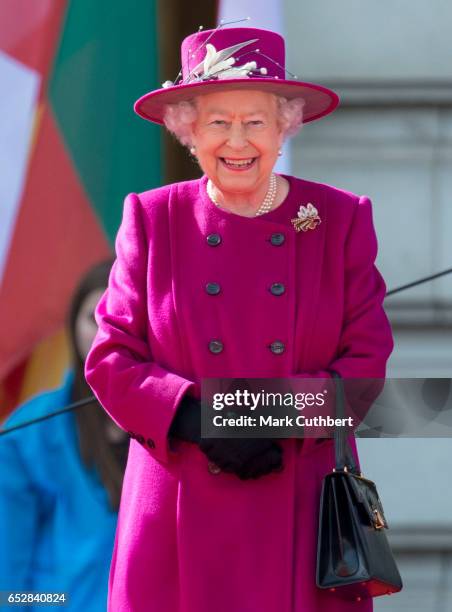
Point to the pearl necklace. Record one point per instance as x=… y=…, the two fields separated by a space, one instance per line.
x=266 y=205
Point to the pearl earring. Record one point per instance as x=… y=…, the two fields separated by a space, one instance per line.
x=192 y=150
x=280 y=152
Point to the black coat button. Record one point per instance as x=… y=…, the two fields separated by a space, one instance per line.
x=213 y=288
x=277 y=289
x=150 y=442
x=277 y=347
x=213 y=239
x=215 y=346
x=277 y=239
x=139 y=438
x=132 y=434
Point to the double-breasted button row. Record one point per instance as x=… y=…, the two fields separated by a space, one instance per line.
x=277 y=347
x=276 y=239
x=141 y=439
x=215 y=288
x=212 y=288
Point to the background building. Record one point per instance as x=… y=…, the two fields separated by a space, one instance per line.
x=391 y=139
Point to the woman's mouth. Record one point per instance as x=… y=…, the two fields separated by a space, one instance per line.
x=238 y=164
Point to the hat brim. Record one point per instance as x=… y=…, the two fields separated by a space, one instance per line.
x=319 y=100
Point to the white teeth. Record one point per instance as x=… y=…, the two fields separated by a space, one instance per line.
x=242 y=162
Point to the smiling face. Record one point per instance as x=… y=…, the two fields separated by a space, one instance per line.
x=237 y=138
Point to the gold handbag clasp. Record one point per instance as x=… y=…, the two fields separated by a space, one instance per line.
x=378 y=519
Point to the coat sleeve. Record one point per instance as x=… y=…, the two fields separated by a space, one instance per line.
x=139 y=394
x=366 y=340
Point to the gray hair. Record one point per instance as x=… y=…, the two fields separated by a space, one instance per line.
x=179 y=117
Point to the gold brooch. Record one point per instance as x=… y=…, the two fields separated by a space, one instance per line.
x=307 y=218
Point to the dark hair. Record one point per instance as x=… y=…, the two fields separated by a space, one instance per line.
x=96 y=450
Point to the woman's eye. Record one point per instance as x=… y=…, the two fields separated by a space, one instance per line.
x=257 y=122
x=218 y=122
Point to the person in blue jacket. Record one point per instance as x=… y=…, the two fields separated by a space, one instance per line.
x=61 y=479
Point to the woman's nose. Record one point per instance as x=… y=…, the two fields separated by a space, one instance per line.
x=237 y=137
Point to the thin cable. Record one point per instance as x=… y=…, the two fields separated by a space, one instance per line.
x=91 y=399
x=418 y=282
x=68 y=408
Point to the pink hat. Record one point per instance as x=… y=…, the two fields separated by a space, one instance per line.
x=235 y=58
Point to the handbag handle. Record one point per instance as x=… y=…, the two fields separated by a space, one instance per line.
x=343 y=451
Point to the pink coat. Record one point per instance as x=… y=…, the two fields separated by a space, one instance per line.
x=189 y=540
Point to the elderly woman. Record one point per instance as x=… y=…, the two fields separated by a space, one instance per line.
x=242 y=273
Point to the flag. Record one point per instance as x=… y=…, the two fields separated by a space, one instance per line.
x=71 y=149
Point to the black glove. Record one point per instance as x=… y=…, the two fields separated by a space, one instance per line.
x=269 y=461
x=186 y=424
x=245 y=457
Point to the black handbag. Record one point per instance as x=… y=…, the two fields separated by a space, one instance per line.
x=354 y=559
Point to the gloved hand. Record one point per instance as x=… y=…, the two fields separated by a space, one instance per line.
x=186 y=424
x=245 y=457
